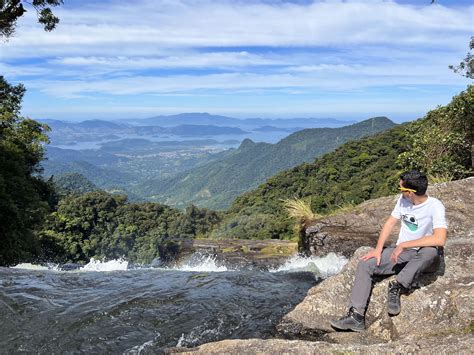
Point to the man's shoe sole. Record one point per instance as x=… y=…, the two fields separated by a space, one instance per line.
x=393 y=313
x=347 y=328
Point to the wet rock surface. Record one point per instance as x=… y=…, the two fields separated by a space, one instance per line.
x=244 y=254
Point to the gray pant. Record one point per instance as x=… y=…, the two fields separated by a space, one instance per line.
x=411 y=263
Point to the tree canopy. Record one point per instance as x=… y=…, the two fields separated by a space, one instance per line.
x=466 y=66
x=23 y=195
x=12 y=10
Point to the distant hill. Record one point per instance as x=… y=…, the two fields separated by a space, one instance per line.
x=103 y=177
x=196 y=118
x=204 y=118
x=202 y=130
x=216 y=184
x=99 y=124
x=84 y=126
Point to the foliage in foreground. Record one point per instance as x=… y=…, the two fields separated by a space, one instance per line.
x=23 y=196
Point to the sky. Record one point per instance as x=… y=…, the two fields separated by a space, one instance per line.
x=243 y=58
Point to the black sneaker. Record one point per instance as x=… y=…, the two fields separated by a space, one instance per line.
x=353 y=321
x=393 y=301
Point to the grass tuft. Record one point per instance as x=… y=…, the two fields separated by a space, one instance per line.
x=300 y=210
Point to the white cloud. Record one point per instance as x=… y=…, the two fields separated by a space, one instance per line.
x=149 y=27
x=327 y=78
x=180 y=60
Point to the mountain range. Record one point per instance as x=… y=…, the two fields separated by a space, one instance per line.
x=216 y=184
x=204 y=118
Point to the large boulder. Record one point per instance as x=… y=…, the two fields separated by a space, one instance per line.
x=346 y=231
x=440 y=304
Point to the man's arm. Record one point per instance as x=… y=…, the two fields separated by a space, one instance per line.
x=384 y=234
x=438 y=239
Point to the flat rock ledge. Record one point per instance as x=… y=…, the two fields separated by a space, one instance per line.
x=242 y=253
x=452 y=344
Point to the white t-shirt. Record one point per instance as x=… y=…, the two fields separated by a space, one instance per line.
x=419 y=220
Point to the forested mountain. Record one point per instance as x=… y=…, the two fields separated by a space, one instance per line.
x=439 y=144
x=216 y=184
x=74 y=183
x=101 y=177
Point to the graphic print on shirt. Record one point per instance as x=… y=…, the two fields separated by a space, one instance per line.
x=410 y=221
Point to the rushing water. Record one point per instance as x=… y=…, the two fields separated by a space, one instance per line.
x=107 y=307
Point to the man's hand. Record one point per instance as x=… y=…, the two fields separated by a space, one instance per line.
x=373 y=254
x=395 y=254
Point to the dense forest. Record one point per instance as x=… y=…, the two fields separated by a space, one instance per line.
x=98 y=224
x=69 y=221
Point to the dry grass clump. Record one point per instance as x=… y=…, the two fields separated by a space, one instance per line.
x=300 y=210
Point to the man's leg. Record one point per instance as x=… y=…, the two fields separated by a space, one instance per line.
x=420 y=262
x=355 y=319
x=367 y=269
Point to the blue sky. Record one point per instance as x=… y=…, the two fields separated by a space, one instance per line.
x=341 y=59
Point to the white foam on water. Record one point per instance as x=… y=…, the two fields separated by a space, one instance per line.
x=204 y=332
x=29 y=266
x=324 y=266
x=111 y=265
x=137 y=350
x=201 y=263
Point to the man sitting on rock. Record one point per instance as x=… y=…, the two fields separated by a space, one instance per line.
x=423 y=229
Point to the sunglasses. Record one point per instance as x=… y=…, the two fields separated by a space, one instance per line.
x=405 y=189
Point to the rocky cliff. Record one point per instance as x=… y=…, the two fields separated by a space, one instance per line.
x=436 y=317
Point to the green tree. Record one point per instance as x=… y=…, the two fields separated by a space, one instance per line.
x=442 y=141
x=12 y=10
x=23 y=195
x=466 y=66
